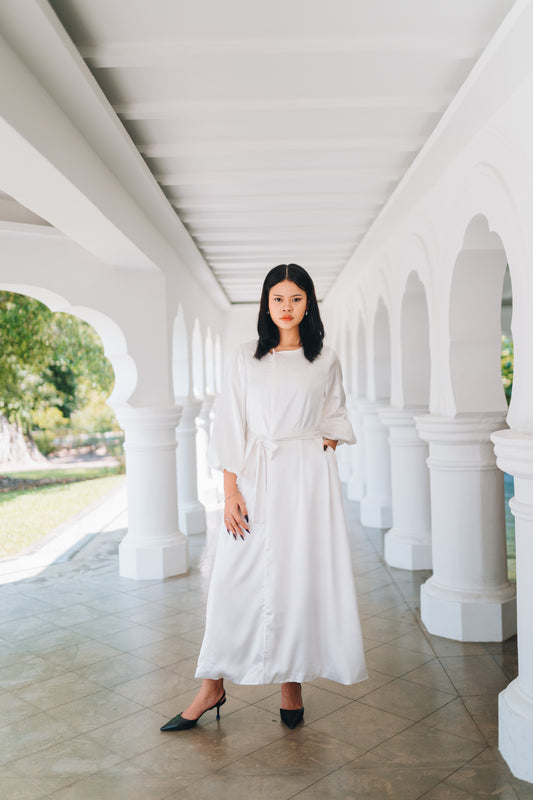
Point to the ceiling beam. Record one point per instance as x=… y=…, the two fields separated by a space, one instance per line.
x=111 y=55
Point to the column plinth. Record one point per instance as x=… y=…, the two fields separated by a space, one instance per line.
x=469 y=597
x=408 y=543
x=191 y=511
x=514 y=452
x=376 y=508
x=154 y=547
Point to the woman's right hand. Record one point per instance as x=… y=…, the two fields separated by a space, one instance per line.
x=236 y=515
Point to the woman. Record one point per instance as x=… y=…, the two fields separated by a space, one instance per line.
x=282 y=605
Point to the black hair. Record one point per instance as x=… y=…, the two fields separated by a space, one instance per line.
x=311 y=327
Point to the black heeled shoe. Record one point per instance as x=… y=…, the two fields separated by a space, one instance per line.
x=180 y=723
x=292 y=717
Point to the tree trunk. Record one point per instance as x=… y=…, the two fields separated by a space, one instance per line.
x=15 y=448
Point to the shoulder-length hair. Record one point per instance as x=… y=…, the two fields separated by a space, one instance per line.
x=311 y=327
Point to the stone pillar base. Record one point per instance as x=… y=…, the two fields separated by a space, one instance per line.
x=192 y=518
x=141 y=561
x=376 y=513
x=516 y=730
x=468 y=616
x=405 y=553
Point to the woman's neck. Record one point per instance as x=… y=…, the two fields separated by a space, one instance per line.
x=289 y=340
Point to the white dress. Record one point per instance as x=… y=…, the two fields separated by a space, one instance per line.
x=282 y=604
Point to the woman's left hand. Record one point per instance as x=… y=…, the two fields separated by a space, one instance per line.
x=331 y=443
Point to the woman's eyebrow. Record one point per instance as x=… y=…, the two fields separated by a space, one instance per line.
x=290 y=295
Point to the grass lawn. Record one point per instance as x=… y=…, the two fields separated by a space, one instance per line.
x=28 y=514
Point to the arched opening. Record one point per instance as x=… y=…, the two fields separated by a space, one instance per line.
x=209 y=363
x=198 y=372
x=475 y=321
x=60 y=443
x=415 y=344
x=218 y=363
x=382 y=354
x=481 y=339
x=361 y=360
x=180 y=356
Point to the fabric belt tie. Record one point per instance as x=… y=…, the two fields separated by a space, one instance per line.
x=265 y=448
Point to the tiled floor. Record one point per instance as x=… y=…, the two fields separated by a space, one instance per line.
x=92 y=664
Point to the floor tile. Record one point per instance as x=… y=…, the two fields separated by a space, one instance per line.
x=110 y=672
x=96 y=709
x=57 y=691
x=17 y=787
x=454 y=718
x=475 y=674
x=432 y=673
x=422 y=746
x=369 y=778
x=121 y=782
x=64 y=763
x=155 y=687
x=407 y=699
x=395 y=660
x=484 y=776
x=360 y=725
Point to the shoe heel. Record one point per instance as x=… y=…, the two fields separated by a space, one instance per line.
x=222 y=701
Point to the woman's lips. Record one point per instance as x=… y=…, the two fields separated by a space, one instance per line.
x=287 y=318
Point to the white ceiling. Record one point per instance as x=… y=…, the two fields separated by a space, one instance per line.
x=278 y=130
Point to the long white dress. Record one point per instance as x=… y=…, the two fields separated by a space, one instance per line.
x=282 y=604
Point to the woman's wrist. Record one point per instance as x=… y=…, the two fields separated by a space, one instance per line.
x=227 y=497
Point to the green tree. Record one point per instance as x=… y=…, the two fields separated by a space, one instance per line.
x=507 y=366
x=47 y=360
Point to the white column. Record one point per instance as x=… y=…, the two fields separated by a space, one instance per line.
x=468 y=597
x=344 y=454
x=514 y=451
x=408 y=543
x=209 y=485
x=357 y=483
x=191 y=511
x=376 y=508
x=154 y=547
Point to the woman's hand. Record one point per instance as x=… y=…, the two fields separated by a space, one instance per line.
x=236 y=515
x=330 y=443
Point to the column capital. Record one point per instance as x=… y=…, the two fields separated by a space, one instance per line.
x=402 y=425
x=151 y=418
x=465 y=428
x=514 y=452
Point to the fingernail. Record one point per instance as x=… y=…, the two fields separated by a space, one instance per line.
x=246 y=518
x=234 y=536
x=246 y=529
x=227 y=531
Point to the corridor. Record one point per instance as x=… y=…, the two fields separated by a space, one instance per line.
x=92 y=664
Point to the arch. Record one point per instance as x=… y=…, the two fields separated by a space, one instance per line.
x=382 y=353
x=209 y=363
x=415 y=352
x=475 y=320
x=361 y=359
x=180 y=356
x=218 y=363
x=113 y=339
x=198 y=372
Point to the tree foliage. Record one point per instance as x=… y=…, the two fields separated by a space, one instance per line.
x=507 y=366
x=47 y=360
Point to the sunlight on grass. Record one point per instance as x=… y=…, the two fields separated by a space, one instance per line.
x=27 y=516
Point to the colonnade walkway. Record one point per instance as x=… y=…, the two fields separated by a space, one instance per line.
x=91 y=664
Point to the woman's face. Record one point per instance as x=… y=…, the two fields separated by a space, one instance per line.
x=287 y=304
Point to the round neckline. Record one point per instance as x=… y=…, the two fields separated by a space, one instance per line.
x=292 y=350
